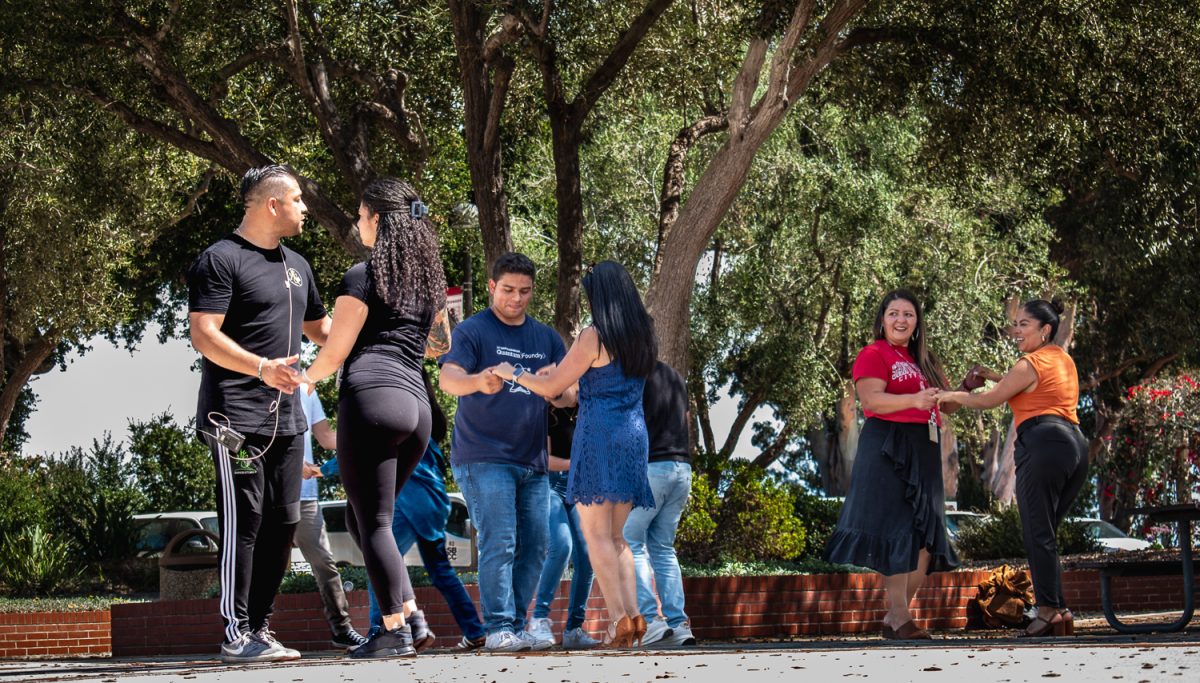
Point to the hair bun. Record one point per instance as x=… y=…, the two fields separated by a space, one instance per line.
x=1058 y=306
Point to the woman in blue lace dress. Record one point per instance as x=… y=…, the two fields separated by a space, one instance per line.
x=610 y=360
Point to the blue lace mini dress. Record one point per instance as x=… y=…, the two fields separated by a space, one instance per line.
x=611 y=447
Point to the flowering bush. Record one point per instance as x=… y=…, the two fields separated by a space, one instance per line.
x=1152 y=454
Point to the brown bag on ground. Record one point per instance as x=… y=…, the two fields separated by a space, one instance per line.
x=1004 y=596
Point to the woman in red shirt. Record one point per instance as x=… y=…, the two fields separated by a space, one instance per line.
x=893 y=520
x=1051 y=453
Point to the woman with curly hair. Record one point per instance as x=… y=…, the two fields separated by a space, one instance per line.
x=389 y=315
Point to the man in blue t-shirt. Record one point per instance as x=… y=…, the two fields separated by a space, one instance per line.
x=498 y=450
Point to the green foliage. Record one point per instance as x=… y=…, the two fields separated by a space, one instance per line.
x=999 y=537
x=728 y=567
x=172 y=467
x=75 y=603
x=20 y=499
x=35 y=562
x=819 y=516
x=751 y=519
x=90 y=500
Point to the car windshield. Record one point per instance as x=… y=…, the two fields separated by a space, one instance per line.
x=154 y=534
x=210 y=524
x=1101 y=529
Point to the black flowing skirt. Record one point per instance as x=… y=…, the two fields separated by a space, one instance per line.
x=896 y=504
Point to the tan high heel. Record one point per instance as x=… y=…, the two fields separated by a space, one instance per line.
x=639 y=629
x=620 y=635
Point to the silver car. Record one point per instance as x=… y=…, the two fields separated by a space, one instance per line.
x=460 y=537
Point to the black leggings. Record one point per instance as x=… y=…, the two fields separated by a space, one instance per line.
x=1052 y=462
x=382 y=433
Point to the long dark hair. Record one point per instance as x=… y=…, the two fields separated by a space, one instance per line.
x=929 y=364
x=1046 y=313
x=620 y=318
x=405 y=266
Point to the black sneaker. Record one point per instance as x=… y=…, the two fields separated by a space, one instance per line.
x=422 y=637
x=395 y=643
x=348 y=640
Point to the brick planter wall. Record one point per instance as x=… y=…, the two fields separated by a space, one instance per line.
x=55 y=633
x=720 y=608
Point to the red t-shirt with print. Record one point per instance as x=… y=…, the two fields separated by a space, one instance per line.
x=894 y=365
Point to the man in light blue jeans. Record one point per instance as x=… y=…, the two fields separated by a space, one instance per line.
x=498 y=451
x=651 y=533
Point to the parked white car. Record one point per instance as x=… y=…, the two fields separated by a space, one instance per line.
x=156 y=529
x=460 y=537
x=1110 y=537
x=956 y=518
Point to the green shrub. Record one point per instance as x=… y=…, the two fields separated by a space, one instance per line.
x=173 y=467
x=999 y=536
x=21 y=503
x=91 y=497
x=751 y=519
x=819 y=515
x=33 y=562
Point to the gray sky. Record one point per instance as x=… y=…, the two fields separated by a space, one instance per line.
x=108 y=386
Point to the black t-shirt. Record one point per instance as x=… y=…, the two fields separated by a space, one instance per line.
x=562 y=431
x=664 y=403
x=251 y=287
x=390 y=346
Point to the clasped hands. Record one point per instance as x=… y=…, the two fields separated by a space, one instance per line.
x=278 y=373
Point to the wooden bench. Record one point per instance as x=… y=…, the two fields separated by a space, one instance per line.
x=1183 y=516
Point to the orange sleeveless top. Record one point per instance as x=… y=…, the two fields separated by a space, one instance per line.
x=1057 y=392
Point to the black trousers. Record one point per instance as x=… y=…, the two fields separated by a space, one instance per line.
x=382 y=434
x=258 y=508
x=1051 y=456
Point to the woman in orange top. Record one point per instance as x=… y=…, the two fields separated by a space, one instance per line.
x=1051 y=453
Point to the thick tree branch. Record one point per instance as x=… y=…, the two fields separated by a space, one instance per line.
x=502 y=70
x=744 y=85
x=784 y=56
x=673 y=174
x=772 y=453
x=276 y=54
x=604 y=75
x=511 y=29
x=169 y=23
x=745 y=412
x=190 y=206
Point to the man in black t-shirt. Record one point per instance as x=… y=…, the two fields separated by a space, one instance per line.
x=250 y=299
x=651 y=533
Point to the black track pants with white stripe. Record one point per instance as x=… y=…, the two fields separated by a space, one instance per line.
x=258 y=508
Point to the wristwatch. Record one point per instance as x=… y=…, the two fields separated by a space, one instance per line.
x=517 y=373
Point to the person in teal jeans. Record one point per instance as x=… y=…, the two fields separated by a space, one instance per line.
x=420 y=517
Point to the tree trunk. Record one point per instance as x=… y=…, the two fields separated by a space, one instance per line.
x=485 y=89
x=950 y=464
x=835 y=446
x=23 y=367
x=568 y=199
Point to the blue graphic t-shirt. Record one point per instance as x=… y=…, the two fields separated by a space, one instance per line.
x=510 y=425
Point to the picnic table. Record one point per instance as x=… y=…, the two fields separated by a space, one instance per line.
x=1182 y=515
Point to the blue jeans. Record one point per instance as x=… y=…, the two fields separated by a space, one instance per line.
x=441 y=573
x=566 y=544
x=651 y=536
x=508 y=504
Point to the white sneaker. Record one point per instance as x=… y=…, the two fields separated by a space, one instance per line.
x=505 y=641
x=656 y=630
x=536 y=641
x=541 y=629
x=681 y=635
x=266 y=636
